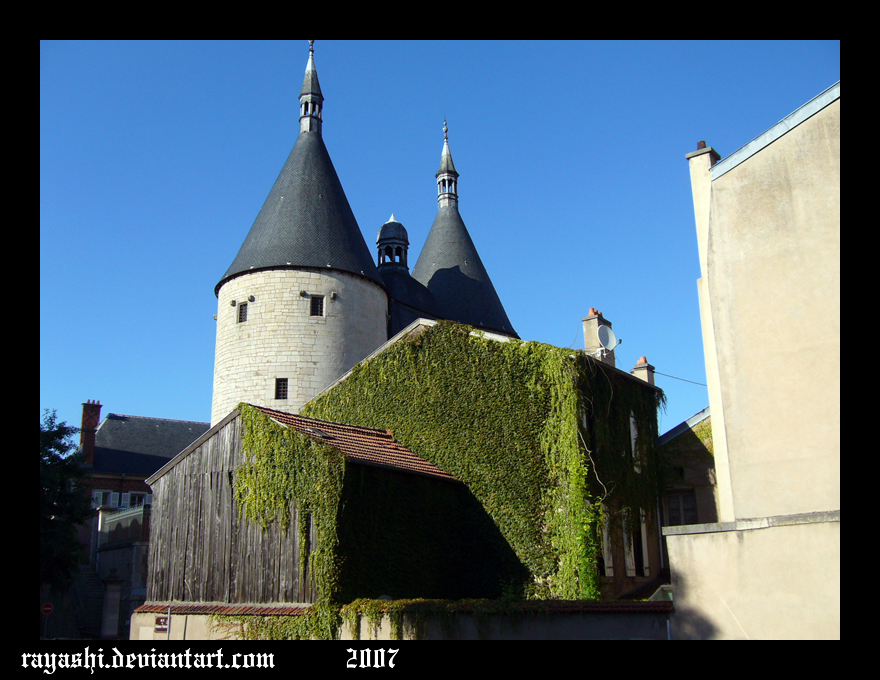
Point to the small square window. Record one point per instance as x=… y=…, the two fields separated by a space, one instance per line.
x=281 y=388
x=317 y=305
x=242 y=312
x=681 y=508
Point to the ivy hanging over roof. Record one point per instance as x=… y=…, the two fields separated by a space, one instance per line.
x=539 y=434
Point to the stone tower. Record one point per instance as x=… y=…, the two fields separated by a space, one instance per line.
x=302 y=302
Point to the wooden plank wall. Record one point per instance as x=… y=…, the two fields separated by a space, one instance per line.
x=199 y=549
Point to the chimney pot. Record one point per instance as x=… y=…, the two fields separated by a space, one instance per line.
x=701 y=145
x=643 y=370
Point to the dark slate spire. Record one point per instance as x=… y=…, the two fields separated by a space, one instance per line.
x=447 y=177
x=306 y=221
x=311 y=100
x=449 y=265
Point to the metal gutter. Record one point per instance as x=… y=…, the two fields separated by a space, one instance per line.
x=791 y=121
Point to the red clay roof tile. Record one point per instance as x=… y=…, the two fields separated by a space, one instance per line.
x=361 y=444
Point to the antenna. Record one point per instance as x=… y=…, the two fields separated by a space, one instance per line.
x=606 y=337
x=607 y=341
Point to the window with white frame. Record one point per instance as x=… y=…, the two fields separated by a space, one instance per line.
x=138 y=498
x=635 y=546
x=607 y=553
x=102 y=497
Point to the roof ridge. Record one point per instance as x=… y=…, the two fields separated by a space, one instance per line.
x=381 y=431
x=366 y=445
x=170 y=420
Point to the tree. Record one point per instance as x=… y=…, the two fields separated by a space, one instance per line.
x=64 y=503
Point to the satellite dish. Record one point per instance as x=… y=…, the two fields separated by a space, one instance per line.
x=606 y=337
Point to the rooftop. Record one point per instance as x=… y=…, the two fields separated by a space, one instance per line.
x=363 y=445
x=788 y=123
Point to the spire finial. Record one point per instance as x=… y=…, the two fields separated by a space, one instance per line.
x=311 y=100
x=446 y=176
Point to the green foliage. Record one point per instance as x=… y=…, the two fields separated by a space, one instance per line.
x=540 y=436
x=283 y=465
x=518 y=423
x=64 y=503
x=703 y=432
x=320 y=622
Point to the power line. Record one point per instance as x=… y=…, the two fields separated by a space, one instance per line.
x=682 y=379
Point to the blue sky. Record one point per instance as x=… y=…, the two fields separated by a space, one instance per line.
x=155 y=158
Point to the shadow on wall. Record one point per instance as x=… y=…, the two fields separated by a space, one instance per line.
x=407 y=537
x=686 y=622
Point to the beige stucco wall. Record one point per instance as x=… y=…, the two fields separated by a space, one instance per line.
x=768 y=237
x=775 y=582
x=280 y=339
x=773 y=286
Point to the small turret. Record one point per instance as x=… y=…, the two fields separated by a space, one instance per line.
x=393 y=244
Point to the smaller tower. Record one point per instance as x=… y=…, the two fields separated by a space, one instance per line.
x=449 y=266
x=393 y=244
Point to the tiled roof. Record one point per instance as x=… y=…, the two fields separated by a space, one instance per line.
x=114 y=461
x=149 y=436
x=223 y=609
x=527 y=607
x=306 y=220
x=361 y=444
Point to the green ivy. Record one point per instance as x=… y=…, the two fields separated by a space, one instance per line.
x=539 y=435
x=518 y=423
x=281 y=466
x=320 y=622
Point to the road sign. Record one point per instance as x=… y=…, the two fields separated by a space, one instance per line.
x=47 y=608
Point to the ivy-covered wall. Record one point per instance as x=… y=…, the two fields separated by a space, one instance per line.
x=377 y=531
x=540 y=436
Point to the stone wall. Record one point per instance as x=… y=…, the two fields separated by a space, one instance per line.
x=281 y=339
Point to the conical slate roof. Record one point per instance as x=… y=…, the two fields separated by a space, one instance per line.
x=306 y=221
x=451 y=269
x=446 y=164
x=449 y=265
x=310 y=82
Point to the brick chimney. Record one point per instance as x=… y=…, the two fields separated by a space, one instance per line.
x=643 y=370
x=90 y=418
x=592 y=346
